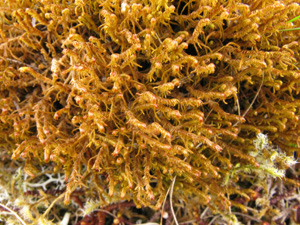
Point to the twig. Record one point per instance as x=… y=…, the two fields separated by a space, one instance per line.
x=187 y=222
x=204 y=212
x=14 y=213
x=171 y=203
x=238 y=105
x=163 y=205
x=244 y=114
x=248 y=216
x=213 y=220
x=107 y=212
x=52 y=204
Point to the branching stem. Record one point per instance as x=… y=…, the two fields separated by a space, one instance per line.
x=14 y=213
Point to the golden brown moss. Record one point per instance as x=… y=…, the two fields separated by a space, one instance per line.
x=129 y=94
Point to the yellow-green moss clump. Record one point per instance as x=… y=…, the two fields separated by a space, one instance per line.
x=122 y=96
